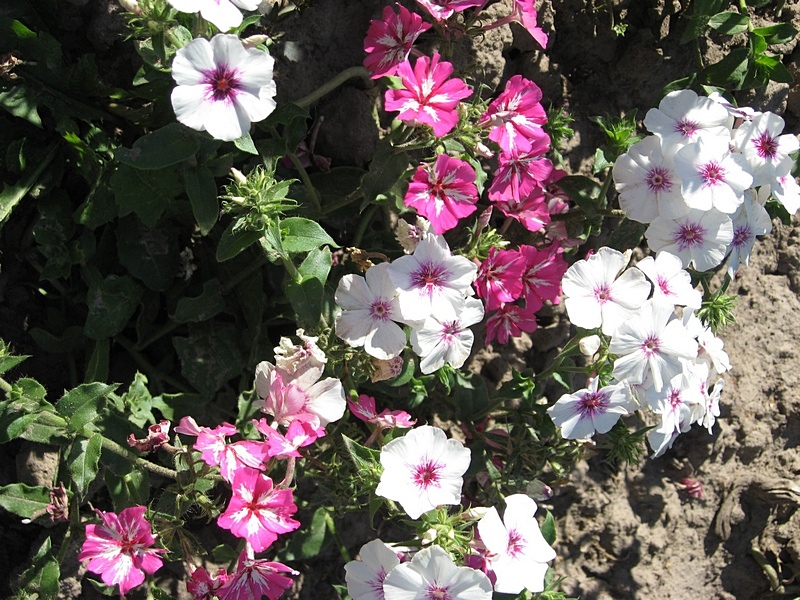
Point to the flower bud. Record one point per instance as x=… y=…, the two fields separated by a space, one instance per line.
x=589 y=345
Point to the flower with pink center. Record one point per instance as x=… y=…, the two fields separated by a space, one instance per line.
x=256 y=578
x=680 y=403
x=432 y=280
x=444 y=192
x=671 y=283
x=699 y=238
x=120 y=549
x=751 y=220
x=369 y=311
x=517 y=551
x=683 y=117
x=516 y=116
x=389 y=39
x=432 y=575
x=215 y=450
x=445 y=340
x=315 y=402
x=428 y=96
x=711 y=176
x=598 y=296
x=365 y=577
x=222 y=86
x=422 y=470
x=647 y=183
x=509 y=321
x=444 y=9
x=224 y=14
x=258 y=512
x=298 y=435
x=653 y=343
x=203 y=586
x=541 y=279
x=590 y=410
x=765 y=149
x=500 y=277
x=520 y=173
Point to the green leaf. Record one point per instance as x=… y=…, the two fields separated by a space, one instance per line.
x=317 y=265
x=24 y=500
x=364 y=458
x=43 y=576
x=97 y=368
x=549 y=528
x=306 y=299
x=202 y=191
x=729 y=23
x=111 y=302
x=21 y=101
x=627 y=235
x=83 y=461
x=581 y=190
x=600 y=162
x=130 y=489
x=139 y=402
x=164 y=147
x=309 y=542
x=223 y=553
x=385 y=170
x=730 y=71
x=303 y=235
x=13 y=194
x=210 y=356
x=203 y=307
x=782 y=33
x=13 y=424
x=145 y=193
x=158 y=593
x=150 y=254
x=82 y=404
x=773 y=68
x=233 y=242
x=9 y=362
x=245 y=144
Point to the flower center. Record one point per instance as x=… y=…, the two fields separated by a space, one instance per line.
x=593 y=403
x=687 y=128
x=516 y=543
x=602 y=294
x=663 y=285
x=741 y=236
x=658 y=180
x=223 y=81
x=690 y=235
x=380 y=310
x=766 y=145
x=426 y=474
x=436 y=592
x=674 y=398
x=650 y=346
x=429 y=276
x=712 y=174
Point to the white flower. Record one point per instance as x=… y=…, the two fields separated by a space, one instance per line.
x=767 y=152
x=582 y=413
x=222 y=86
x=365 y=577
x=700 y=238
x=647 y=183
x=422 y=470
x=750 y=220
x=432 y=575
x=787 y=192
x=680 y=403
x=439 y=341
x=518 y=550
x=369 y=311
x=651 y=342
x=671 y=283
x=683 y=117
x=222 y=13
x=712 y=177
x=710 y=351
x=596 y=296
x=589 y=345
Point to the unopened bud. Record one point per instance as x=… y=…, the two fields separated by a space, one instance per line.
x=238 y=176
x=255 y=40
x=538 y=490
x=589 y=345
x=132 y=6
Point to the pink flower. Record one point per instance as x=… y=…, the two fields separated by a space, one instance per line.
x=256 y=578
x=215 y=450
x=258 y=512
x=500 y=277
x=515 y=116
x=443 y=192
x=520 y=173
x=389 y=40
x=120 y=550
x=364 y=409
x=157 y=436
x=532 y=211
x=510 y=321
x=526 y=15
x=444 y=9
x=541 y=280
x=205 y=587
x=428 y=97
x=298 y=435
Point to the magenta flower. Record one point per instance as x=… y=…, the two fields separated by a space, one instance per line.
x=257 y=511
x=444 y=9
x=256 y=578
x=520 y=173
x=120 y=550
x=443 y=192
x=526 y=16
x=516 y=116
x=364 y=408
x=298 y=435
x=500 y=277
x=203 y=586
x=532 y=211
x=510 y=321
x=544 y=270
x=428 y=96
x=389 y=40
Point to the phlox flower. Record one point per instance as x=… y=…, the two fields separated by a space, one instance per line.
x=365 y=577
x=422 y=470
x=432 y=280
x=525 y=14
x=257 y=511
x=510 y=321
x=500 y=277
x=383 y=370
x=444 y=192
x=301 y=363
x=256 y=578
x=223 y=14
x=597 y=295
x=671 y=283
x=531 y=211
x=683 y=117
x=712 y=404
x=647 y=183
x=432 y=574
x=679 y=404
x=390 y=38
x=520 y=173
x=516 y=116
x=786 y=191
x=439 y=341
x=364 y=408
x=120 y=549
x=590 y=410
x=429 y=96
x=710 y=350
x=298 y=435
x=157 y=436
x=222 y=86
x=369 y=311
x=444 y=9
x=699 y=238
x=409 y=236
x=751 y=220
x=766 y=151
x=517 y=551
x=541 y=280
x=203 y=586
x=651 y=342
x=711 y=176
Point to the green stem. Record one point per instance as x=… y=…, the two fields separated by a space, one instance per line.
x=366 y=219
x=5 y=386
x=115 y=448
x=336 y=537
x=603 y=197
x=332 y=84
x=312 y=193
x=347 y=200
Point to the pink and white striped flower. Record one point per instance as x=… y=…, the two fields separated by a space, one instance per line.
x=541 y=280
x=520 y=173
x=389 y=39
x=509 y=321
x=516 y=116
x=500 y=277
x=444 y=9
x=256 y=578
